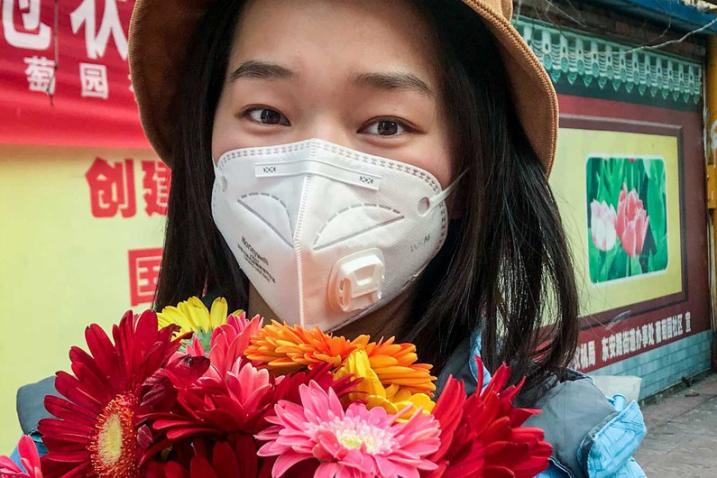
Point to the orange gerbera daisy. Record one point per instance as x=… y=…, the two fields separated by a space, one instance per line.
x=286 y=348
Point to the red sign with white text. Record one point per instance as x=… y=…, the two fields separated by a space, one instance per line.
x=64 y=75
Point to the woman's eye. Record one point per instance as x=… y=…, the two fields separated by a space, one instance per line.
x=385 y=127
x=267 y=116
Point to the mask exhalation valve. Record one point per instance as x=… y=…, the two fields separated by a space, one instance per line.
x=356 y=281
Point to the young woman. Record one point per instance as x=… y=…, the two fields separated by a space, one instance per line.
x=375 y=167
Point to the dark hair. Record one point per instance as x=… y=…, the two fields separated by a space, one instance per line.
x=505 y=266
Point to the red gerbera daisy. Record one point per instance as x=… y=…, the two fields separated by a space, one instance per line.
x=98 y=430
x=232 y=458
x=482 y=435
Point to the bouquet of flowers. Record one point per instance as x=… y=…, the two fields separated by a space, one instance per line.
x=194 y=392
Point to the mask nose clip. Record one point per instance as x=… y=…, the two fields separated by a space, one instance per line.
x=356 y=281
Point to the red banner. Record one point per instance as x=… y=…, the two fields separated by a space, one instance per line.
x=64 y=75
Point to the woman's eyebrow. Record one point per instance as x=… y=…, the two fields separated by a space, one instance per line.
x=394 y=81
x=262 y=70
x=380 y=80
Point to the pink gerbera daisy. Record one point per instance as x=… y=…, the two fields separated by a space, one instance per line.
x=29 y=458
x=355 y=443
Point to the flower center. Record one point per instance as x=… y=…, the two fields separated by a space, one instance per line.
x=354 y=433
x=110 y=440
x=113 y=447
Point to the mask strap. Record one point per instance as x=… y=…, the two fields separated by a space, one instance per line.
x=443 y=195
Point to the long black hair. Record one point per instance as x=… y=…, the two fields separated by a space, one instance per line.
x=505 y=266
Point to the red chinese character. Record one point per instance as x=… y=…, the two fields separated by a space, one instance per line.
x=156 y=183
x=144 y=267
x=112 y=188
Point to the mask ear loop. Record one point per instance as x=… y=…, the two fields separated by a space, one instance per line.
x=426 y=204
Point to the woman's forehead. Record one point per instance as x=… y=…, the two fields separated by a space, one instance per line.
x=348 y=39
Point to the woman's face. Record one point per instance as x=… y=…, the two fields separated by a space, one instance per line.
x=362 y=74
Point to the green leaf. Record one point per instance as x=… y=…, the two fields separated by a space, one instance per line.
x=656 y=202
x=609 y=260
x=591 y=177
x=619 y=265
x=635 y=266
x=659 y=260
x=616 y=179
x=595 y=261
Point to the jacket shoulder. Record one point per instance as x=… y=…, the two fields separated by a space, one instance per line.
x=31 y=403
x=591 y=435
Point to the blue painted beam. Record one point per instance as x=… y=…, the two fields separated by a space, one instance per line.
x=665 y=12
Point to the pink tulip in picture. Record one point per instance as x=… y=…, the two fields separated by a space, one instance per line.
x=626 y=217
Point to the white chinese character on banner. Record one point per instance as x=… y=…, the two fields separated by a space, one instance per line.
x=35 y=35
x=680 y=329
x=605 y=349
x=591 y=353
x=638 y=337
x=651 y=334
x=626 y=342
x=94 y=80
x=584 y=356
x=40 y=74
x=611 y=345
x=96 y=40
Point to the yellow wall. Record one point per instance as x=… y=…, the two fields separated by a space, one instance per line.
x=60 y=267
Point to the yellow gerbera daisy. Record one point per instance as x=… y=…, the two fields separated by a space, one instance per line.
x=370 y=388
x=192 y=315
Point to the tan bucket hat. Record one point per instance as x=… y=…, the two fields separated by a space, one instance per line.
x=158 y=43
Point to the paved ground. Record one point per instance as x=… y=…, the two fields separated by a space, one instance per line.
x=682 y=433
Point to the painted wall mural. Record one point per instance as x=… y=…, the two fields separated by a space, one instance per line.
x=629 y=181
x=620 y=201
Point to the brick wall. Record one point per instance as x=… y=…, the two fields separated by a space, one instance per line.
x=665 y=366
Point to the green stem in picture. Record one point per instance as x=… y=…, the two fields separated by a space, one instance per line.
x=635 y=265
x=608 y=258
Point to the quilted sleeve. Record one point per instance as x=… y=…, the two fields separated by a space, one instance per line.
x=608 y=449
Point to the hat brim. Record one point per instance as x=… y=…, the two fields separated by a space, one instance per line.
x=159 y=36
x=534 y=96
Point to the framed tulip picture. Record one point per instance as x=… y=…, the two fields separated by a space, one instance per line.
x=618 y=187
x=626 y=217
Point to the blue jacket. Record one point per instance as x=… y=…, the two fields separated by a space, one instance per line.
x=592 y=436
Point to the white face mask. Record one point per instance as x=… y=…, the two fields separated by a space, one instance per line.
x=325 y=233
